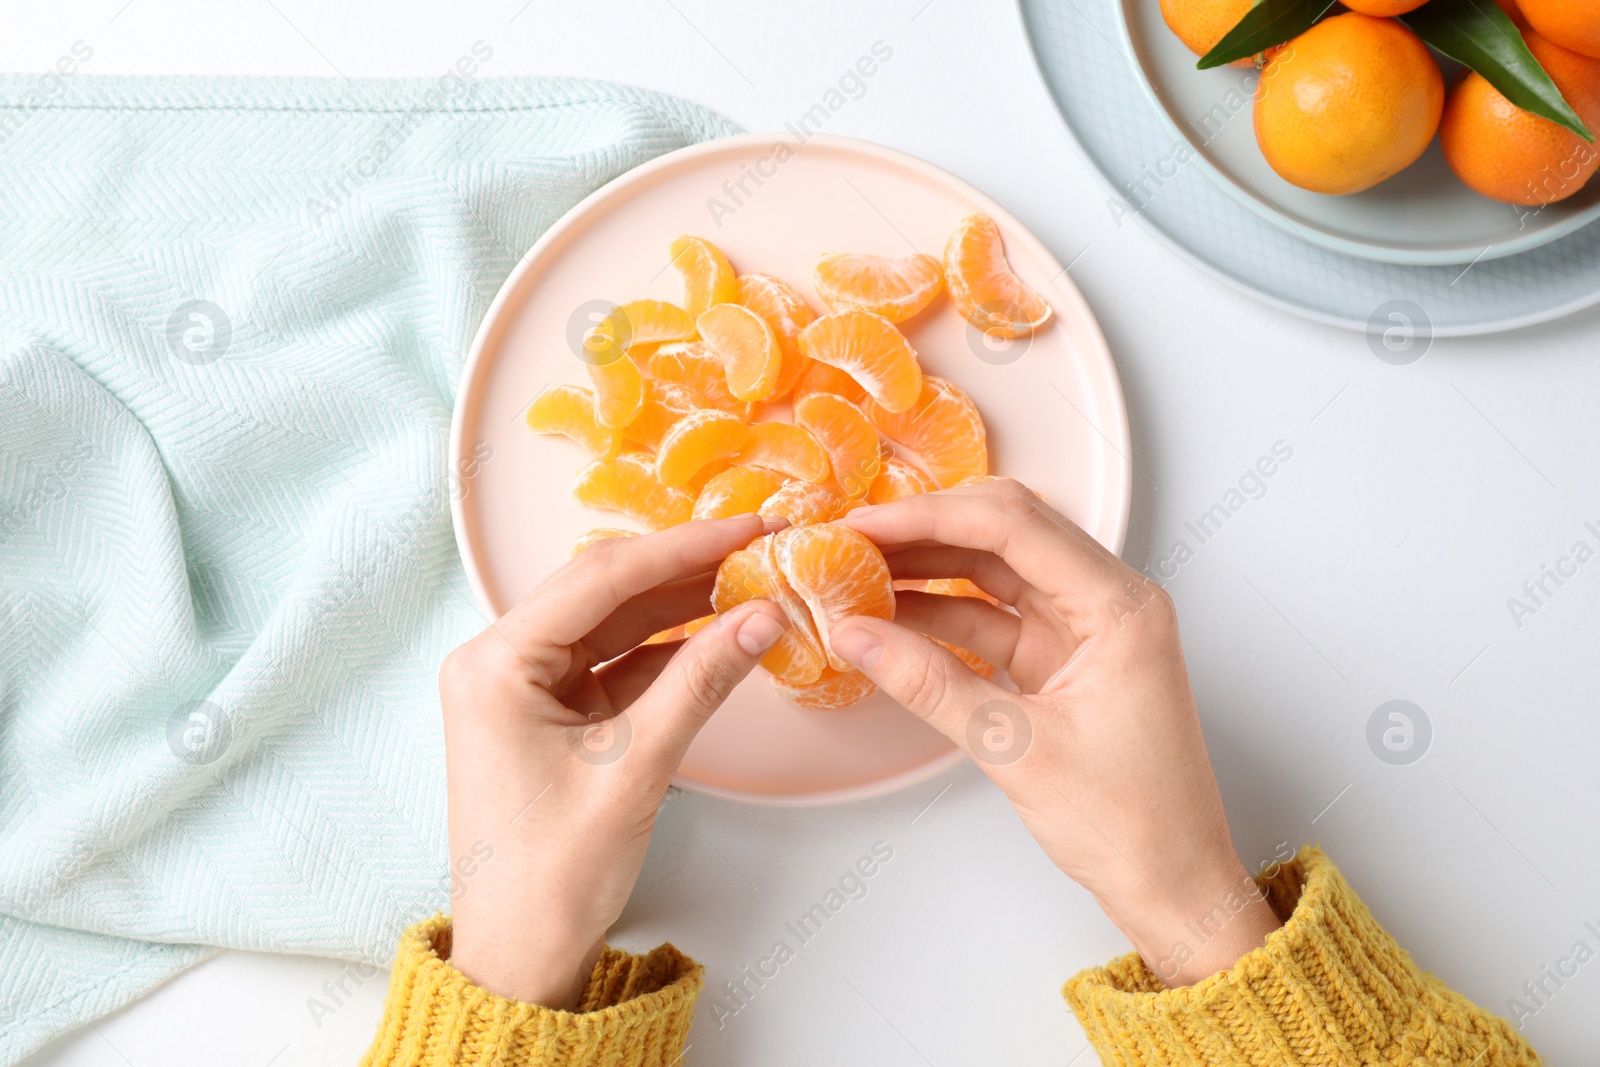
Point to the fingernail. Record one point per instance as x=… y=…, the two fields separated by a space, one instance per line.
x=863 y=511
x=758 y=633
x=859 y=645
x=773 y=525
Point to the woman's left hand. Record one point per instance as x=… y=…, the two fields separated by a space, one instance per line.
x=557 y=765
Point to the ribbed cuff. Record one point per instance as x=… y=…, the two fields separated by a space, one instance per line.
x=635 y=1010
x=1329 y=989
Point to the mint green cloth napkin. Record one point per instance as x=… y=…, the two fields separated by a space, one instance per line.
x=233 y=313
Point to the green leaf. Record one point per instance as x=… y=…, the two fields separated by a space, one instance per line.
x=1479 y=34
x=1269 y=23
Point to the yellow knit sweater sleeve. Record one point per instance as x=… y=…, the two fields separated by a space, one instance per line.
x=1328 y=989
x=635 y=1011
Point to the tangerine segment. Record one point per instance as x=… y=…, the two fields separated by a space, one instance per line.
x=687 y=630
x=708 y=277
x=601 y=533
x=980 y=666
x=871 y=350
x=850 y=440
x=618 y=391
x=569 y=410
x=676 y=633
x=664 y=404
x=787 y=312
x=703 y=476
x=694 y=367
x=963 y=587
x=821 y=378
x=835 y=689
x=737 y=491
x=894 y=287
x=647 y=322
x=982 y=285
x=944 y=429
x=699 y=438
x=958 y=587
x=747 y=347
x=785 y=447
x=897 y=480
x=629 y=484
x=837 y=573
x=749 y=574
x=802 y=503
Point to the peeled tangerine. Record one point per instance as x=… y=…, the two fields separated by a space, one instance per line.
x=738 y=490
x=786 y=311
x=896 y=288
x=943 y=428
x=751 y=574
x=628 y=484
x=871 y=350
x=803 y=503
x=699 y=438
x=618 y=390
x=646 y=322
x=664 y=404
x=834 y=689
x=708 y=277
x=818 y=575
x=786 y=447
x=821 y=378
x=982 y=285
x=850 y=440
x=963 y=587
x=897 y=480
x=602 y=533
x=569 y=410
x=747 y=348
x=636 y=326
x=697 y=369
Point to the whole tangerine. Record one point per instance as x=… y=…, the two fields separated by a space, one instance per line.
x=1514 y=13
x=1200 y=24
x=1571 y=24
x=1508 y=154
x=1383 y=8
x=1348 y=103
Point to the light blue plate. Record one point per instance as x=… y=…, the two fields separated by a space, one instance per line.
x=1079 y=45
x=1423 y=216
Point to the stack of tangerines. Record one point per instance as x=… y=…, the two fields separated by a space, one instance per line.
x=1359 y=96
x=743 y=399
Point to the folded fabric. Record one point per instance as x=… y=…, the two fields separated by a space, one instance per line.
x=232 y=318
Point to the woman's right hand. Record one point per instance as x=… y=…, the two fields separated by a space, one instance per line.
x=1101 y=752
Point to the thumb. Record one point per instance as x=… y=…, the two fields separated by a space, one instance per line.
x=933 y=685
x=704 y=672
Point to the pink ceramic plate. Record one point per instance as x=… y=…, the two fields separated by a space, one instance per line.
x=1053 y=404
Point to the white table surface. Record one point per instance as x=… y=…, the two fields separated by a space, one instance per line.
x=1377 y=566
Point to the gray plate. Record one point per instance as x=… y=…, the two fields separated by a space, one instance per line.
x=1097 y=87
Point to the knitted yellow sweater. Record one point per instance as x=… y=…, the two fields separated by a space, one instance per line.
x=1329 y=989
